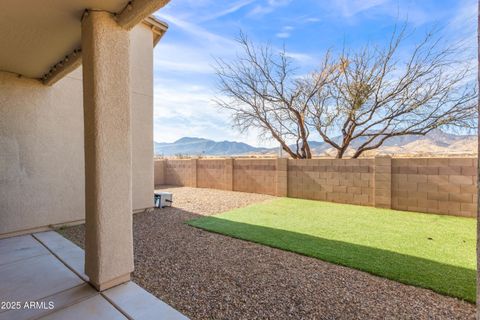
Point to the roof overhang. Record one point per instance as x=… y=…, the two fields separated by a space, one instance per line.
x=158 y=28
x=42 y=39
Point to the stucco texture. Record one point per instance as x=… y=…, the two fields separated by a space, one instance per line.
x=42 y=178
x=108 y=152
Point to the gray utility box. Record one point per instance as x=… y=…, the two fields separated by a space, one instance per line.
x=163 y=199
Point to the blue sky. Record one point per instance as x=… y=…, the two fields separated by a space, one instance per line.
x=201 y=30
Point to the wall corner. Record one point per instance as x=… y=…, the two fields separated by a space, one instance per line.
x=193 y=173
x=228 y=174
x=382 y=181
x=281 y=177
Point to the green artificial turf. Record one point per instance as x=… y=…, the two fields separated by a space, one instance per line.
x=425 y=250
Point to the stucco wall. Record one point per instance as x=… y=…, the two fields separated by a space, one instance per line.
x=41 y=144
x=142 y=117
x=41 y=157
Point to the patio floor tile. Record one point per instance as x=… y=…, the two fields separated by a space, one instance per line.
x=46 y=268
x=18 y=248
x=139 y=304
x=35 y=278
x=60 y=300
x=65 y=250
x=93 y=308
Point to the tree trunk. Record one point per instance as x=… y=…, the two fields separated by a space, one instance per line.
x=340 y=153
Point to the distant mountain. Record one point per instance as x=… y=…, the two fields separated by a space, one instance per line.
x=200 y=146
x=435 y=143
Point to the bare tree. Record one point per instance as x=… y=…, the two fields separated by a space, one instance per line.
x=377 y=97
x=262 y=91
x=357 y=100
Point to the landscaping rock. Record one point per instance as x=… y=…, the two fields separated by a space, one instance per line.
x=210 y=276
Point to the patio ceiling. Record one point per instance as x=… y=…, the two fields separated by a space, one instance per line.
x=36 y=36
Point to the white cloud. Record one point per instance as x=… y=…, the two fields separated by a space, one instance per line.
x=286 y=32
x=268 y=7
x=179 y=57
x=283 y=35
x=410 y=11
x=182 y=110
x=463 y=22
x=184 y=89
x=183 y=66
x=195 y=30
x=229 y=10
x=194 y=54
x=302 y=58
x=349 y=8
x=312 y=20
x=462 y=29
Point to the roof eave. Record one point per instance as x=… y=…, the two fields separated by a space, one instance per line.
x=135 y=12
x=159 y=28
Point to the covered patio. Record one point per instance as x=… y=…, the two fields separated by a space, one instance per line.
x=42 y=277
x=76 y=147
x=76 y=100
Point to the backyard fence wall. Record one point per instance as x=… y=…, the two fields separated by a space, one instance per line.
x=434 y=185
x=437 y=185
x=255 y=175
x=211 y=174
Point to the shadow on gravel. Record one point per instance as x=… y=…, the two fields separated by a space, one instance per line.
x=206 y=275
x=446 y=279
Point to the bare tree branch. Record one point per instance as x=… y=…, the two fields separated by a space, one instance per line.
x=359 y=99
x=262 y=91
x=376 y=97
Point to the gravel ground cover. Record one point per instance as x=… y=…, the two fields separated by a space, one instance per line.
x=210 y=276
x=431 y=251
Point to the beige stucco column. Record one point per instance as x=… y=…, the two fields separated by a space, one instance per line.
x=108 y=194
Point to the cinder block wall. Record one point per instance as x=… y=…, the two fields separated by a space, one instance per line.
x=210 y=174
x=159 y=172
x=344 y=181
x=254 y=175
x=437 y=185
x=180 y=172
x=432 y=185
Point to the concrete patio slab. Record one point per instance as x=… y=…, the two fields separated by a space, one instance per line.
x=18 y=248
x=34 y=278
x=139 y=304
x=60 y=300
x=93 y=308
x=70 y=254
x=46 y=270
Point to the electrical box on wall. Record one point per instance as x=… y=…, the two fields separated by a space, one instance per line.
x=163 y=199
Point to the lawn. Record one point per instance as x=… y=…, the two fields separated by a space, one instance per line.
x=425 y=250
